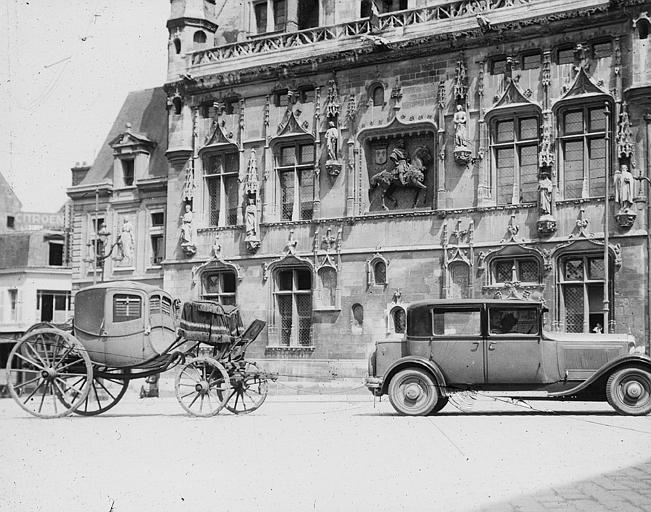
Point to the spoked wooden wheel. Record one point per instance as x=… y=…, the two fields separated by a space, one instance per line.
x=249 y=389
x=202 y=386
x=106 y=389
x=49 y=373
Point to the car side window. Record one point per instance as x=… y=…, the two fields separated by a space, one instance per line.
x=465 y=322
x=505 y=320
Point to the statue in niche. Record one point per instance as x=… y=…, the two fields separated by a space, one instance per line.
x=332 y=140
x=545 y=187
x=252 y=239
x=460 y=132
x=461 y=150
x=623 y=187
x=405 y=173
x=187 y=231
x=333 y=166
x=126 y=243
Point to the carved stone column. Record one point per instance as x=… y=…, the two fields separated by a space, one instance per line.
x=483 y=189
x=441 y=193
x=268 y=192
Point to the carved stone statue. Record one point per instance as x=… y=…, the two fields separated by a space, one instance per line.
x=460 y=132
x=332 y=140
x=127 y=242
x=251 y=224
x=186 y=226
x=250 y=213
x=187 y=231
x=623 y=187
x=545 y=187
x=332 y=165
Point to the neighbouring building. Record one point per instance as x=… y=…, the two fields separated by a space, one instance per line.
x=35 y=274
x=322 y=163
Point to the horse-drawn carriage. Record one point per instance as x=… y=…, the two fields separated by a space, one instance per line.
x=125 y=330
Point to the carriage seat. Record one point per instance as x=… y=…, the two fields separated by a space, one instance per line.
x=209 y=322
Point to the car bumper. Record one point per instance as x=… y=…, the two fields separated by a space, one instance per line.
x=374 y=385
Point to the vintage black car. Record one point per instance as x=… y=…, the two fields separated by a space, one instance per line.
x=499 y=347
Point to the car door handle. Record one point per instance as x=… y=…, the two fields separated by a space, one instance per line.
x=491 y=346
x=475 y=346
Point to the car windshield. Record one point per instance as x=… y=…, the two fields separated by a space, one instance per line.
x=507 y=320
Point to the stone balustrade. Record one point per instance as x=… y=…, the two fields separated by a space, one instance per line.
x=385 y=22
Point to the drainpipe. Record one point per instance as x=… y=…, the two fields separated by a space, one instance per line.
x=647 y=120
x=606 y=300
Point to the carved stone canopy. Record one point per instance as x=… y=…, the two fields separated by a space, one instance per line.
x=130 y=141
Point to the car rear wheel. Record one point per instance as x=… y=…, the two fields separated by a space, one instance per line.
x=412 y=392
x=442 y=402
x=628 y=391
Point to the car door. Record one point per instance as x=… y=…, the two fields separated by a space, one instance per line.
x=513 y=345
x=457 y=344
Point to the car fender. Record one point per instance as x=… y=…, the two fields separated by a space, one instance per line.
x=629 y=360
x=414 y=362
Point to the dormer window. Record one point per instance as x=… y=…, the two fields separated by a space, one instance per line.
x=127 y=172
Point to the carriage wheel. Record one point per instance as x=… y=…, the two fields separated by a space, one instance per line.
x=249 y=390
x=104 y=392
x=202 y=386
x=49 y=373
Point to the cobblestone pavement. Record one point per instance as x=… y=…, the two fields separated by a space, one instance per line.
x=625 y=490
x=335 y=452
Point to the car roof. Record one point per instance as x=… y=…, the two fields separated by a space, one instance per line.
x=124 y=285
x=471 y=302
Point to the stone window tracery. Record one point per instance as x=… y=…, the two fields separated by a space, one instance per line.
x=581 y=291
x=220 y=286
x=296 y=177
x=582 y=146
x=398 y=320
x=221 y=172
x=376 y=271
x=293 y=305
x=514 y=144
x=521 y=269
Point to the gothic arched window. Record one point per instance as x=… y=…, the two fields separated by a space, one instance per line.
x=293 y=305
x=377 y=94
x=514 y=144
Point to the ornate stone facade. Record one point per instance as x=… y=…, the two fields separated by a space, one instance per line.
x=459 y=141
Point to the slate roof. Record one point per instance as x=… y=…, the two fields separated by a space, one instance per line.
x=146 y=110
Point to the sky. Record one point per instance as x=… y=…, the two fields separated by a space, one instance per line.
x=66 y=67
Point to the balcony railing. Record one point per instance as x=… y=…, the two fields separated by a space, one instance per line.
x=398 y=19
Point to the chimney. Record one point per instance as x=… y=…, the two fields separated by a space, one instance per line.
x=79 y=172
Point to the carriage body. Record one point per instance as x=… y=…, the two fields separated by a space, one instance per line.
x=125 y=330
x=124 y=323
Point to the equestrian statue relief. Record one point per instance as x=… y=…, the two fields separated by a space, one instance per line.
x=407 y=173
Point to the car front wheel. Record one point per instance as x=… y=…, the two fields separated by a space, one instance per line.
x=629 y=391
x=412 y=392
